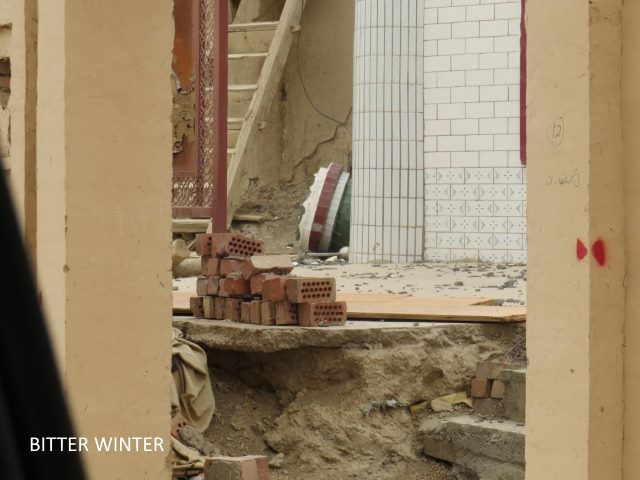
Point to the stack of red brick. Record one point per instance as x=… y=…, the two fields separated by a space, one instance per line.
x=486 y=390
x=240 y=283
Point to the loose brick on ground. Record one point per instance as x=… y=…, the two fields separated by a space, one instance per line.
x=256 y=264
x=481 y=387
x=232 y=309
x=273 y=289
x=231 y=245
x=313 y=290
x=229 y=266
x=250 y=467
x=220 y=308
x=267 y=313
x=203 y=244
x=210 y=266
x=245 y=312
x=257 y=280
x=201 y=286
x=324 y=314
x=255 y=312
x=286 y=313
x=196 y=307
x=233 y=286
x=209 y=307
x=497 y=389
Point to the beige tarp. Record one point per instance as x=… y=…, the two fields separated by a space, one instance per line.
x=191 y=391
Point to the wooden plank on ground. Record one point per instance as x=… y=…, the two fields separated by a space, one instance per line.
x=406 y=307
x=439 y=313
x=408 y=299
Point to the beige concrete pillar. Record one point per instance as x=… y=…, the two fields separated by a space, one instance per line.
x=631 y=147
x=104 y=217
x=576 y=306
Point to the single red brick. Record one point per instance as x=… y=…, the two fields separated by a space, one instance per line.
x=250 y=467
x=232 y=309
x=201 y=286
x=233 y=286
x=219 y=308
x=212 y=285
x=229 y=266
x=218 y=240
x=257 y=281
x=231 y=245
x=196 y=307
x=273 y=289
x=322 y=314
x=256 y=264
x=209 y=307
x=481 y=387
x=286 y=313
x=268 y=313
x=313 y=290
x=245 y=312
x=497 y=389
x=203 y=244
x=255 y=312
x=210 y=266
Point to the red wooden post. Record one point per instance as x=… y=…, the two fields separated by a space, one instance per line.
x=219 y=197
x=523 y=85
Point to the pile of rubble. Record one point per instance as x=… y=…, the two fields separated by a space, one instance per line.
x=242 y=284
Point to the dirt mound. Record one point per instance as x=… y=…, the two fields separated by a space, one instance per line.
x=342 y=413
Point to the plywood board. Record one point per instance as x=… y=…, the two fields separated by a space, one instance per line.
x=406 y=307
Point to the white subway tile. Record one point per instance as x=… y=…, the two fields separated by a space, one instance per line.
x=451 y=143
x=430 y=48
x=430 y=112
x=479 y=142
x=437 y=64
x=507 y=109
x=515 y=27
x=435 y=160
x=479 y=45
x=508 y=10
x=480 y=12
x=453 y=47
x=509 y=43
x=437 y=31
x=464 y=94
x=494 y=28
x=513 y=126
x=454 y=110
x=494 y=60
x=451 y=79
x=430 y=145
x=437 y=127
x=430 y=79
x=497 y=93
x=464 y=159
x=465 y=29
x=465 y=2
x=437 y=95
x=506 y=76
x=451 y=14
x=493 y=126
x=507 y=142
x=465 y=62
x=437 y=3
x=430 y=15
x=514 y=92
x=479 y=77
x=479 y=110
x=467 y=126
x=494 y=159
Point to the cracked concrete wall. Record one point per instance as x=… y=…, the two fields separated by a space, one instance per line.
x=297 y=139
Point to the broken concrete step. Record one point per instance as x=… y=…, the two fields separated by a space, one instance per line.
x=482 y=449
x=251 y=37
x=245 y=68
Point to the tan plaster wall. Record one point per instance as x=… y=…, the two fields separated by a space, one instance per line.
x=104 y=153
x=297 y=140
x=575 y=308
x=631 y=145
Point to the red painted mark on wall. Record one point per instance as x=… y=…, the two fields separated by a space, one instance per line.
x=581 y=250
x=599 y=253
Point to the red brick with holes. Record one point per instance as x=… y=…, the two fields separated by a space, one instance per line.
x=210 y=266
x=233 y=286
x=232 y=309
x=229 y=245
x=230 y=266
x=286 y=313
x=326 y=314
x=273 y=289
x=196 y=307
x=257 y=264
x=203 y=244
x=311 y=290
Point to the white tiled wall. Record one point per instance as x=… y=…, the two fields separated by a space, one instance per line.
x=387 y=213
x=474 y=181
